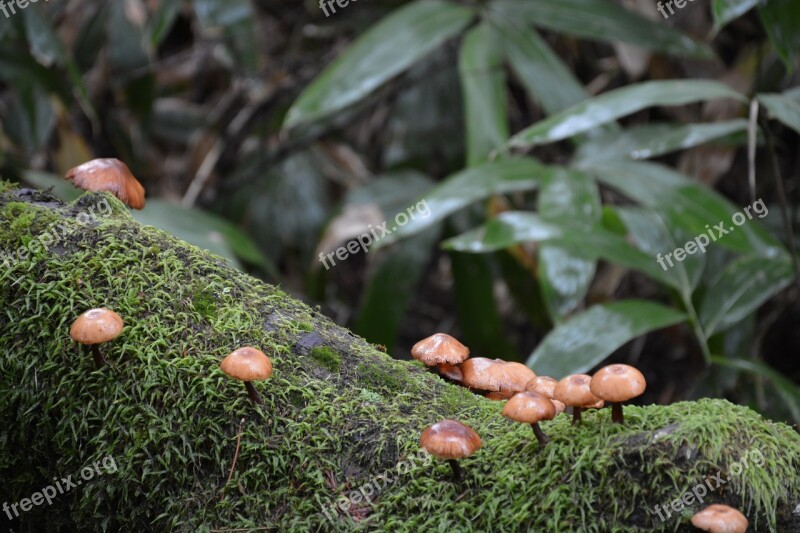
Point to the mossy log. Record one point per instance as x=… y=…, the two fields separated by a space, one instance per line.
x=334 y=446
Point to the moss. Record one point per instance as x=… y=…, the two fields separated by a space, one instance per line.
x=170 y=419
x=327 y=358
x=305 y=326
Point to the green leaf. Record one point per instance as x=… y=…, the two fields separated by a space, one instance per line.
x=727 y=10
x=543 y=74
x=603 y=21
x=744 y=285
x=127 y=52
x=483 y=82
x=513 y=227
x=205 y=230
x=235 y=20
x=781 y=19
x=788 y=390
x=398 y=41
x=690 y=205
x=585 y=340
x=618 y=103
x=473 y=184
x=784 y=107
x=653 y=140
x=566 y=277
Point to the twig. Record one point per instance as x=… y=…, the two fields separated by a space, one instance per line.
x=235 y=457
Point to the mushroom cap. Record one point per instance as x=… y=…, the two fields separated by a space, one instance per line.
x=495 y=374
x=451 y=372
x=440 y=348
x=529 y=407
x=574 y=390
x=450 y=439
x=544 y=384
x=499 y=395
x=560 y=407
x=247 y=364
x=718 y=518
x=96 y=326
x=111 y=175
x=618 y=383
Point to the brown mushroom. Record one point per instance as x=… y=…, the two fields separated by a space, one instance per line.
x=530 y=408
x=574 y=391
x=616 y=384
x=248 y=364
x=450 y=440
x=718 y=518
x=439 y=348
x=110 y=175
x=546 y=385
x=450 y=372
x=495 y=375
x=95 y=327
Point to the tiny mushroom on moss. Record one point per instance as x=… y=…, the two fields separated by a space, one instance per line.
x=616 y=384
x=95 y=327
x=110 y=175
x=495 y=375
x=546 y=385
x=450 y=440
x=574 y=391
x=718 y=518
x=248 y=364
x=450 y=372
x=440 y=348
x=530 y=408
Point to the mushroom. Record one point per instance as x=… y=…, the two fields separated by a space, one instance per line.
x=95 y=327
x=495 y=375
x=450 y=372
x=111 y=175
x=546 y=385
x=530 y=408
x=616 y=384
x=718 y=518
x=440 y=348
x=450 y=440
x=574 y=391
x=248 y=364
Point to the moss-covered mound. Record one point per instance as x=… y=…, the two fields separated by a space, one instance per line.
x=334 y=447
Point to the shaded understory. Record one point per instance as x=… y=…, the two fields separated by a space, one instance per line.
x=338 y=413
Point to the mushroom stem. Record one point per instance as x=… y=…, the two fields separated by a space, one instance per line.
x=99 y=360
x=576 y=415
x=251 y=391
x=540 y=435
x=458 y=474
x=616 y=413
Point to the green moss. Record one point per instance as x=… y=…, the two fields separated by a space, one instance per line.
x=170 y=418
x=327 y=358
x=305 y=326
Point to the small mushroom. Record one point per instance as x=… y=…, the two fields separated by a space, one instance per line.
x=616 y=384
x=450 y=440
x=95 y=327
x=110 y=175
x=248 y=364
x=530 y=408
x=440 y=348
x=574 y=391
x=718 y=518
x=495 y=375
x=450 y=372
x=546 y=385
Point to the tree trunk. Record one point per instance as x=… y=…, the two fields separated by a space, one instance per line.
x=334 y=444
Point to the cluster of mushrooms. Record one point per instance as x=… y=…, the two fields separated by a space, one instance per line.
x=532 y=399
